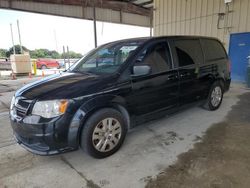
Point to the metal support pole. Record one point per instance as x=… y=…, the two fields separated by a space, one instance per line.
x=19 y=34
x=151 y=24
x=14 y=50
x=68 y=56
x=64 y=57
x=94 y=21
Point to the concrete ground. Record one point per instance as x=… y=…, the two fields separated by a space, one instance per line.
x=220 y=160
x=147 y=151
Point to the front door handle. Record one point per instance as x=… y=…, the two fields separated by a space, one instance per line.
x=172 y=77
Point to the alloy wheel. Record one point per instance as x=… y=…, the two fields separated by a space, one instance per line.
x=106 y=134
x=216 y=96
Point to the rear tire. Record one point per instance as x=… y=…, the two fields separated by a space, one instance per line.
x=43 y=67
x=215 y=96
x=103 y=133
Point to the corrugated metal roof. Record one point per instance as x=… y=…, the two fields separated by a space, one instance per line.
x=142 y=3
x=132 y=12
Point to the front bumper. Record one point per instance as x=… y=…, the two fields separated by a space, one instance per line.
x=46 y=138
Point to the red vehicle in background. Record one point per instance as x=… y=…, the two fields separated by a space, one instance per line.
x=47 y=63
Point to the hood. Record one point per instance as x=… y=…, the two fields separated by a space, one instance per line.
x=66 y=85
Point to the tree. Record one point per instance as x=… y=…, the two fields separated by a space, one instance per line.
x=73 y=55
x=3 y=53
x=44 y=53
x=55 y=54
x=18 y=50
x=39 y=53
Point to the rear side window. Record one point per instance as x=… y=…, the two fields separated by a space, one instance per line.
x=157 y=56
x=213 y=50
x=189 y=52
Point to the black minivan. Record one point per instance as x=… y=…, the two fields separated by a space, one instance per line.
x=115 y=87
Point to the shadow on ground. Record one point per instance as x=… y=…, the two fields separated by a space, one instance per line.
x=220 y=160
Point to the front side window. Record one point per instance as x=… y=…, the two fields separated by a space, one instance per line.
x=189 y=52
x=106 y=59
x=157 y=57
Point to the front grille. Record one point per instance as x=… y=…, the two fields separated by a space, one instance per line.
x=23 y=103
x=21 y=112
x=21 y=107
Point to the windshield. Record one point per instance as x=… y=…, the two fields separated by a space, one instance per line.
x=106 y=59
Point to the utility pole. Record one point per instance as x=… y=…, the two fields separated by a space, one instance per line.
x=19 y=34
x=14 y=50
x=55 y=40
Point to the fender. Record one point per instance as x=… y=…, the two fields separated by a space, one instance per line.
x=87 y=109
x=212 y=76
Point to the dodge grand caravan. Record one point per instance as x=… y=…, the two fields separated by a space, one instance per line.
x=115 y=87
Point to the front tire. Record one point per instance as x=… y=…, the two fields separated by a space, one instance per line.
x=103 y=133
x=215 y=96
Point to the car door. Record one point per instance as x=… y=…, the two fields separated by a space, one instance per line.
x=52 y=63
x=158 y=90
x=215 y=63
x=188 y=55
x=47 y=63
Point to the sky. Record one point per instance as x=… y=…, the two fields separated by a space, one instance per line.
x=54 y=32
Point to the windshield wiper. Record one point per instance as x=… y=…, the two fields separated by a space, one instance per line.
x=82 y=72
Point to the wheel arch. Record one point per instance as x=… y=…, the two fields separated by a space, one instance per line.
x=43 y=65
x=220 y=79
x=88 y=109
x=215 y=78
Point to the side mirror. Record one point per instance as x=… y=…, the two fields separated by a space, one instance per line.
x=141 y=70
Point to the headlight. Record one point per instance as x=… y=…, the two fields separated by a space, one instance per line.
x=12 y=103
x=50 y=109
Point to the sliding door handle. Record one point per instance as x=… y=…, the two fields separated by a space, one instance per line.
x=185 y=74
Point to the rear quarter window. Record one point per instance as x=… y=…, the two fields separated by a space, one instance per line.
x=188 y=52
x=213 y=50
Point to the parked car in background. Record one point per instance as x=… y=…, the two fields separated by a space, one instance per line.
x=64 y=62
x=47 y=63
x=115 y=87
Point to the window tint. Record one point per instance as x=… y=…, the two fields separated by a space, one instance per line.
x=189 y=52
x=213 y=49
x=157 y=56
